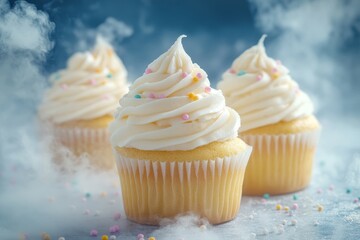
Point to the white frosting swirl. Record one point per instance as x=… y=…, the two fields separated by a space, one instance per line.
x=88 y=88
x=172 y=107
x=261 y=90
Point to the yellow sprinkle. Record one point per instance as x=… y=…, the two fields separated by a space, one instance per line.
x=195 y=79
x=193 y=96
x=275 y=75
x=125 y=117
x=286 y=208
x=98 y=70
x=110 y=52
x=45 y=236
x=320 y=208
x=104 y=237
x=151 y=238
x=278 y=207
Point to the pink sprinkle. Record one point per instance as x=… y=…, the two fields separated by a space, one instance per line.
x=356 y=200
x=93 y=233
x=114 y=229
x=295 y=206
x=64 y=86
x=319 y=191
x=232 y=71
x=274 y=70
x=140 y=235
x=185 y=116
x=199 y=75
x=263 y=200
x=152 y=95
x=117 y=216
x=207 y=89
x=160 y=96
x=148 y=70
x=184 y=75
x=259 y=77
x=93 y=82
x=331 y=187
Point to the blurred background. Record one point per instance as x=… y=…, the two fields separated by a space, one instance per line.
x=317 y=40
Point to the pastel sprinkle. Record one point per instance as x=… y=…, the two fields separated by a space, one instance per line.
x=109 y=75
x=137 y=96
x=295 y=197
x=87 y=195
x=160 y=96
x=278 y=207
x=241 y=72
x=275 y=75
x=64 y=86
x=278 y=62
x=207 y=89
x=152 y=95
x=295 y=206
x=286 y=208
x=202 y=227
x=112 y=237
x=114 y=229
x=151 y=238
x=348 y=190
x=140 y=235
x=356 y=200
x=185 y=117
x=319 y=191
x=98 y=70
x=61 y=238
x=274 y=70
x=331 y=187
x=293 y=222
x=199 y=75
x=316 y=223
x=195 y=79
x=232 y=71
x=148 y=70
x=193 y=96
x=184 y=75
x=93 y=82
x=259 y=77
x=320 y=208
x=266 y=196
x=93 y=233
x=104 y=237
x=45 y=236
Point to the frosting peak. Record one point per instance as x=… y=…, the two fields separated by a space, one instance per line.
x=88 y=88
x=173 y=107
x=261 y=90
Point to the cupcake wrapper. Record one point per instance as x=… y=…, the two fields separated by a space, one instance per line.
x=210 y=188
x=94 y=143
x=279 y=163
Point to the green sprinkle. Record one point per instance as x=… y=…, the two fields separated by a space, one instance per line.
x=241 y=72
x=348 y=190
x=87 y=195
x=266 y=196
x=137 y=96
x=295 y=197
x=109 y=75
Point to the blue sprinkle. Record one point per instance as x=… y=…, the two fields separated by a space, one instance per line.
x=137 y=96
x=241 y=72
x=295 y=197
x=87 y=195
x=348 y=190
x=266 y=196
x=109 y=75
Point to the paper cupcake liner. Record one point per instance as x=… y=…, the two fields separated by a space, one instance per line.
x=279 y=163
x=92 y=143
x=153 y=190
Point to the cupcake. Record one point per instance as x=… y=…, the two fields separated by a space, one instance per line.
x=277 y=120
x=79 y=106
x=176 y=144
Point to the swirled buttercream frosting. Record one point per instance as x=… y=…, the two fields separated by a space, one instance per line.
x=172 y=107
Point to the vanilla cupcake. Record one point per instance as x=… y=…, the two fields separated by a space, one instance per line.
x=277 y=120
x=79 y=106
x=176 y=144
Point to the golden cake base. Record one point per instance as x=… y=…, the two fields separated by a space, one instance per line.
x=282 y=157
x=160 y=184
